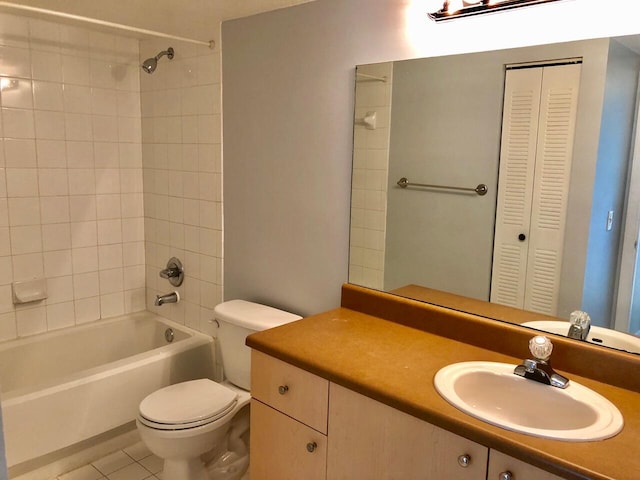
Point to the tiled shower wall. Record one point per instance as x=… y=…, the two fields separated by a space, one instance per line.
x=370 y=176
x=181 y=145
x=71 y=203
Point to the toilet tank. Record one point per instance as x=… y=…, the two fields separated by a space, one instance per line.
x=237 y=319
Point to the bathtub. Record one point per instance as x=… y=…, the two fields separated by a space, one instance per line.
x=64 y=387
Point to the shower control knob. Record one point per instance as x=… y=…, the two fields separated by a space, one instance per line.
x=282 y=389
x=506 y=476
x=464 y=460
x=311 y=447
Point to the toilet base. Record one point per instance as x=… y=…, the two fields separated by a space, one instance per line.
x=230 y=466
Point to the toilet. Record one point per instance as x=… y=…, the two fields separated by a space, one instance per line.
x=185 y=422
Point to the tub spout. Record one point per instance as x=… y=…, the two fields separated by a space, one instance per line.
x=172 y=297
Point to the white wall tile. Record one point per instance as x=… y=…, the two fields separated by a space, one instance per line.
x=22 y=182
x=19 y=95
x=49 y=125
x=57 y=263
x=48 y=96
x=56 y=236
x=46 y=66
x=53 y=182
x=24 y=211
x=79 y=154
x=14 y=31
x=60 y=315
x=82 y=208
x=15 y=61
x=86 y=285
x=26 y=239
x=51 y=153
x=76 y=71
x=85 y=259
x=87 y=309
x=18 y=123
x=31 y=321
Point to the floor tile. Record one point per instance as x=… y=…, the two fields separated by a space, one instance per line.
x=152 y=463
x=88 y=472
x=113 y=462
x=137 y=451
x=135 y=471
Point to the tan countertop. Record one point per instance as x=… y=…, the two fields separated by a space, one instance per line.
x=395 y=364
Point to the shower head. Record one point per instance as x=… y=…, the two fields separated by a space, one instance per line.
x=150 y=64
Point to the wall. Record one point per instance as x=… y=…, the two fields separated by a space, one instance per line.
x=288 y=108
x=70 y=174
x=614 y=150
x=181 y=136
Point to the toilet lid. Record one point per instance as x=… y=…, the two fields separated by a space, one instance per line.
x=188 y=403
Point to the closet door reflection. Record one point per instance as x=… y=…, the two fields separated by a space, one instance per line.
x=533 y=185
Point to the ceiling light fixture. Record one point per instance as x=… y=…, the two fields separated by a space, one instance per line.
x=463 y=8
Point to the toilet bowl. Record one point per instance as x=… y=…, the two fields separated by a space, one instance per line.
x=183 y=422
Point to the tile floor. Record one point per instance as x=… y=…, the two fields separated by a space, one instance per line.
x=133 y=463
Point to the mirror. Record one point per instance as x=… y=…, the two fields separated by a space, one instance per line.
x=438 y=122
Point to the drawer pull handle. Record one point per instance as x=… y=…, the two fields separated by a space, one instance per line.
x=464 y=460
x=282 y=389
x=505 y=476
x=311 y=447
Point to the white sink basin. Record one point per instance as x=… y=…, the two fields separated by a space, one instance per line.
x=597 y=335
x=493 y=393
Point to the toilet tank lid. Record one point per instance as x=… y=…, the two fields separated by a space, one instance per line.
x=253 y=316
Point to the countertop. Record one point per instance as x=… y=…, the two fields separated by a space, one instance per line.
x=395 y=364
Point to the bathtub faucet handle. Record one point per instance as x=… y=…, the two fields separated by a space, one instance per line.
x=174 y=272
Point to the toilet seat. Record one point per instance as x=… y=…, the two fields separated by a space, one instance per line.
x=187 y=405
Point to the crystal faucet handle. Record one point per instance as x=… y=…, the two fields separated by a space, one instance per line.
x=540 y=347
x=580 y=318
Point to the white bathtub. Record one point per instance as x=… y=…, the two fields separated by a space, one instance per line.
x=66 y=386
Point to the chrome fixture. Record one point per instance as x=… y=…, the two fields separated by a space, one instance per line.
x=174 y=272
x=540 y=369
x=481 y=189
x=173 y=297
x=463 y=8
x=169 y=335
x=150 y=64
x=580 y=325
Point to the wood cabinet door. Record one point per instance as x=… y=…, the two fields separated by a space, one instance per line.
x=372 y=441
x=499 y=464
x=283 y=448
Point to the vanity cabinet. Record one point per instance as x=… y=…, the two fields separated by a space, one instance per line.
x=288 y=421
x=504 y=467
x=370 y=440
x=303 y=426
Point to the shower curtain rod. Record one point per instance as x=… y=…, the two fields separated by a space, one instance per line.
x=103 y=23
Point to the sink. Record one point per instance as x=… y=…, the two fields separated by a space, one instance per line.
x=491 y=392
x=597 y=335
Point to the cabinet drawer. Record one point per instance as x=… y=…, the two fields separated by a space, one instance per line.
x=284 y=449
x=291 y=390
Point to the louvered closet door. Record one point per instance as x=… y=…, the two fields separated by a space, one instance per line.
x=533 y=187
x=515 y=185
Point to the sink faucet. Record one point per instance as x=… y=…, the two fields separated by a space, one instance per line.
x=580 y=325
x=540 y=369
x=172 y=297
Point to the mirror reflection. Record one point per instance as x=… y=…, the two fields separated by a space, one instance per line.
x=550 y=130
